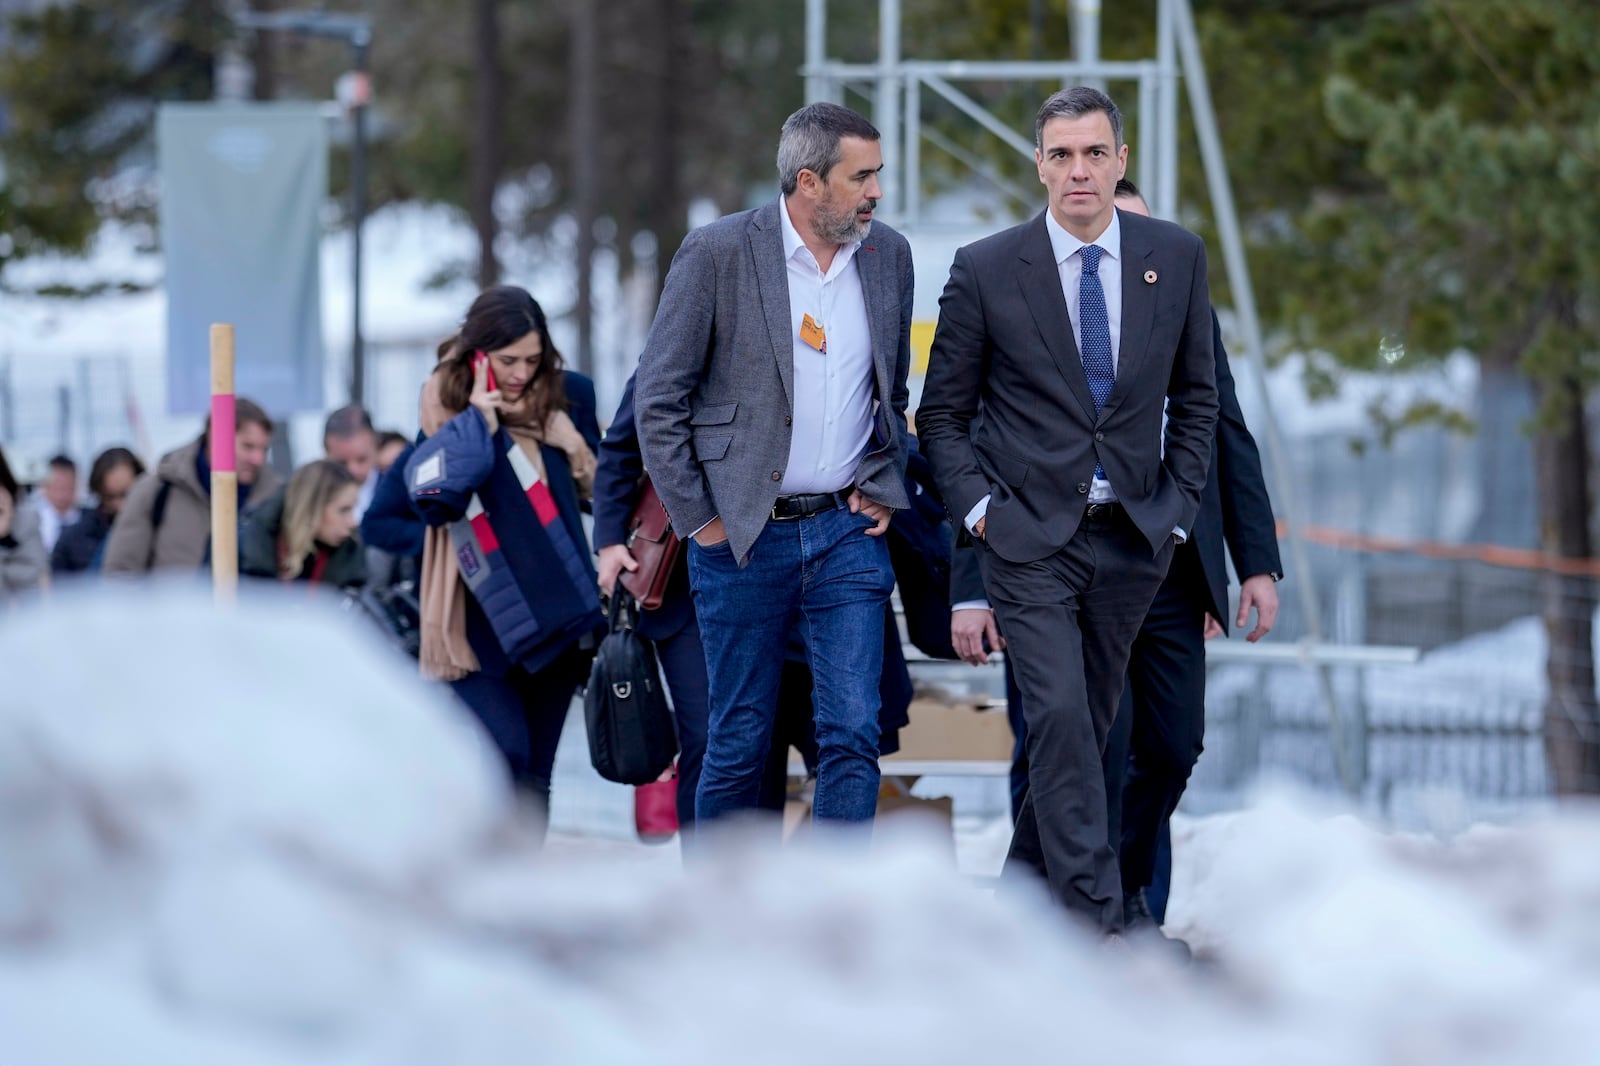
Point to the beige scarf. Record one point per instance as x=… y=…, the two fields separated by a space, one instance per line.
x=446 y=653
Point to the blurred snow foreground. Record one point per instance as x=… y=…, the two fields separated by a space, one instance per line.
x=253 y=837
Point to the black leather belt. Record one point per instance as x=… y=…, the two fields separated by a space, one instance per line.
x=806 y=504
x=1103 y=512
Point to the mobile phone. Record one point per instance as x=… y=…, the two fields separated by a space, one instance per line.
x=478 y=358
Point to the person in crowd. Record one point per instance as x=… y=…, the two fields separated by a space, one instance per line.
x=349 y=439
x=1161 y=719
x=779 y=452
x=510 y=612
x=1042 y=417
x=82 y=544
x=675 y=632
x=165 y=523
x=23 y=559
x=390 y=445
x=56 y=499
x=306 y=530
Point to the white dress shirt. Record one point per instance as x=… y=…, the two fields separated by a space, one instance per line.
x=51 y=521
x=365 y=493
x=833 y=390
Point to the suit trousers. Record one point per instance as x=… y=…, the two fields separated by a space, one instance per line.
x=1165 y=688
x=1166 y=708
x=1069 y=621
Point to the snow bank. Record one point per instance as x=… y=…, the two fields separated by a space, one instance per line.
x=253 y=837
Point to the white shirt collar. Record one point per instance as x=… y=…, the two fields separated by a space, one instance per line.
x=792 y=241
x=1065 y=244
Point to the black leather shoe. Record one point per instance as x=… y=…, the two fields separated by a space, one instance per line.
x=1140 y=927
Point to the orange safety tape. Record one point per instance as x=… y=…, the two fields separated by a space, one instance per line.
x=1492 y=554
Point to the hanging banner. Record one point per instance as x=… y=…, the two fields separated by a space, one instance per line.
x=242 y=193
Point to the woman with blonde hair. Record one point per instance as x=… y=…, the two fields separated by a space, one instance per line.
x=510 y=609
x=306 y=531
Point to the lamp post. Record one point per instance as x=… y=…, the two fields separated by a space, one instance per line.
x=355 y=94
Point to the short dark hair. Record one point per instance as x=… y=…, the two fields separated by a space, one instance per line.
x=389 y=436
x=63 y=462
x=347 y=421
x=810 y=141
x=108 y=461
x=1127 y=189
x=246 y=412
x=1076 y=102
x=8 y=480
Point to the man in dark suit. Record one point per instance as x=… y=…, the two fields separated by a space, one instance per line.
x=1162 y=714
x=1042 y=416
x=771 y=401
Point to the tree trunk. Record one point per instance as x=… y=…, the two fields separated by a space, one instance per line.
x=1572 y=713
x=263 y=56
x=667 y=210
x=488 y=148
x=585 y=137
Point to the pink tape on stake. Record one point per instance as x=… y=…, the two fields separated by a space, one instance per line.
x=222 y=433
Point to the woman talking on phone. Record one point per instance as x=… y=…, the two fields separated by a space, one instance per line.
x=510 y=612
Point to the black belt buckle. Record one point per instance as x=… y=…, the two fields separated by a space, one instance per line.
x=806 y=504
x=1100 y=512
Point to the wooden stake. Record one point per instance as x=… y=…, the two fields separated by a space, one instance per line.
x=224 y=469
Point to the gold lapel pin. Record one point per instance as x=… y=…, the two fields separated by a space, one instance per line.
x=1149 y=277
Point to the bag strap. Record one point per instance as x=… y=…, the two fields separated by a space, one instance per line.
x=624 y=610
x=158 y=515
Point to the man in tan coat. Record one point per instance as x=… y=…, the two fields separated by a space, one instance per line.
x=165 y=523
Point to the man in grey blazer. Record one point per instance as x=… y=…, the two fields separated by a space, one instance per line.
x=1061 y=344
x=771 y=401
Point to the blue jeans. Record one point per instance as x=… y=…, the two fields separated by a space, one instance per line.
x=827 y=575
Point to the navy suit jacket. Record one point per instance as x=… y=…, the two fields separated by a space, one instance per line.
x=1235 y=511
x=616 y=491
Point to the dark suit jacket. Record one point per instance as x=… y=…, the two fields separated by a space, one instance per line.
x=1006 y=409
x=716 y=380
x=616 y=493
x=1234 y=509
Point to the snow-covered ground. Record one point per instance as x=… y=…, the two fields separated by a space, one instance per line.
x=253 y=837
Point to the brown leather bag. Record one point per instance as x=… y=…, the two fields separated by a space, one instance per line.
x=654 y=545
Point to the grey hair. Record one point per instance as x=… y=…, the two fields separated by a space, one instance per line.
x=1076 y=102
x=810 y=141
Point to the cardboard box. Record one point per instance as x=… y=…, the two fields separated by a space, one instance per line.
x=946 y=727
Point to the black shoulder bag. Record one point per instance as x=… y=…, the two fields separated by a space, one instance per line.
x=631 y=735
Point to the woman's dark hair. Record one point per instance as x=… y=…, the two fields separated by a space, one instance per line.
x=8 y=480
x=498 y=318
x=108 y=461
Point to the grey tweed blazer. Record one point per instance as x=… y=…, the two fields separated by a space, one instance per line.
x=715 y=392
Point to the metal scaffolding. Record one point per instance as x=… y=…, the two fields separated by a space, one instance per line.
x=898 y=88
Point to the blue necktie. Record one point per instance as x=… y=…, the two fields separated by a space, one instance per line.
x=1095 y=327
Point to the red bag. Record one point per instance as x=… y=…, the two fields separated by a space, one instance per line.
x=654 y=545
x=655 y=808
